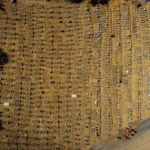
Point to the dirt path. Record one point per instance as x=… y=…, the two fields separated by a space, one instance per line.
x=141 y=141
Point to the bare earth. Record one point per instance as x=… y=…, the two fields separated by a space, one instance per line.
x=141 y=141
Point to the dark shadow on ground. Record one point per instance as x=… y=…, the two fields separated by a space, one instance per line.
x=75 y=1
x=93 y=2
x=102 y=2
x=1 y=126
x=14 y=1
x=2 y=6
x=4 y=59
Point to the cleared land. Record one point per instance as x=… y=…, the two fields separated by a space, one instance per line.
x=76 y=73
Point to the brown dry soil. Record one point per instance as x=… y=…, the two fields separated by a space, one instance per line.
x=141 y=141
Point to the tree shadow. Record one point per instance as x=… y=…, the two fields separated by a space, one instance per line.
x=96 y=2
x=75 y=1
x=2 y=6
x=1 y=126
x=93 y=2
x=14 y=1
x=4 y=59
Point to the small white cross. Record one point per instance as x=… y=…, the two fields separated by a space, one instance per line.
x=74 y=95
x=6 y=104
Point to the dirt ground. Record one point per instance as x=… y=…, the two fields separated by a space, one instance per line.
x=139 y=142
